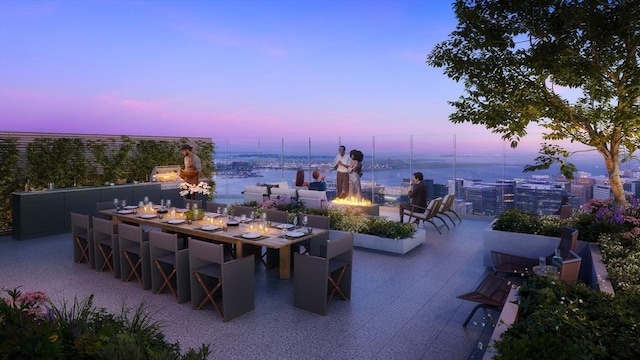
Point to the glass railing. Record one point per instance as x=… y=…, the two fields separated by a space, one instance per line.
x=451 y=162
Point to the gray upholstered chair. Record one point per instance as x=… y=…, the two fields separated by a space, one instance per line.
x=104 y=205
x=134 y=248
x=107 y=249
x=169 y=265
x=211 y=277
x=321 y=274
x=82 y=237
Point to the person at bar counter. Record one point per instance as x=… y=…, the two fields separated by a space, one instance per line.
x=417 y=195
x=192 y=165
x=341 y=163
x=318 y=181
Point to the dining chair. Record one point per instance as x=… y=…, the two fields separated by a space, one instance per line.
x=134 y=247
x=190 y=203
x=107 y=249
x=104 y=205
x=313 y=221
x=82 y=234
x=428 y=214
x=233 y=282
x=491 y=293
x=170 y=268
x=318 y=278
x=214 y=206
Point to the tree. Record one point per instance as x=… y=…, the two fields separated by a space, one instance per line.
x=521 y=61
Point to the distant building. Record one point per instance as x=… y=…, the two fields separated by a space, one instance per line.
x=482 y=197
x=602 y=192
x=542 y=198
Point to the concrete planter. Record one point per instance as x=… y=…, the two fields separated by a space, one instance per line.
x=400 y=246
x=527 y=245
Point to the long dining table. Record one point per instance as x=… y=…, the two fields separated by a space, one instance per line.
x=216 y=229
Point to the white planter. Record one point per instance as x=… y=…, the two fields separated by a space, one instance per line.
x=527 y=245
x=400 y=246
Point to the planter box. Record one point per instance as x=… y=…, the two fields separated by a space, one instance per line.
x=400 y=246
x=527 y=245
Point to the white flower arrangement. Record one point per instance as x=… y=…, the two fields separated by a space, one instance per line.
x=190 y=189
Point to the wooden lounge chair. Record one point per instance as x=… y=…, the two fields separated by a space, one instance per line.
x=491 y=294
x=428 y=214
x=447 y=207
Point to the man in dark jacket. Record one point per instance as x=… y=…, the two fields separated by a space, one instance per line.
x=417 y=195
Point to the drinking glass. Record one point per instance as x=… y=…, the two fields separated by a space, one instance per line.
x=146 y=200
x=168 y=202
x=305 y=221
x=115 y=203
x=294 y=221
x=162 y=203
x=253 y=216
x=219 y=211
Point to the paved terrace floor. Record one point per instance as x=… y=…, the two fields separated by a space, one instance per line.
x=402 y=307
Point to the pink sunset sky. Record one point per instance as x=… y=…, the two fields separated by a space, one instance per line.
x=230 y=69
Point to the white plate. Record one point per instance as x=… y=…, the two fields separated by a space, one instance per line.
x=124 y=212
x=211 y=214
x=176 y=221
x=250 y=235
x=295 y=233
x=283 y=226
x=210 y=227
x=131 y=207
x=148 y=216
x=232 y=222
x=181 y=211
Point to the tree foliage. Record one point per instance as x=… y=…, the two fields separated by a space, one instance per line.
x=571 y=66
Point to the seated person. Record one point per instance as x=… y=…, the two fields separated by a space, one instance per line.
x=300 y=183
x=318 y=182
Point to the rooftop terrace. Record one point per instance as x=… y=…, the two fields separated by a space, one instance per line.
x=402 y=307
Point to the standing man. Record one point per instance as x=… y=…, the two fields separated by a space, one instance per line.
x=192 y=165
x=341 y=164
x=417 y=195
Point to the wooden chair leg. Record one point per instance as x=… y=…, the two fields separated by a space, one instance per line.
x=107 y=258
x=134 y=268
x=335 y=283
x=209 y=293
x=84 y=249
x=167 y=279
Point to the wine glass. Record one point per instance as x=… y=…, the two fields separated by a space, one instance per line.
x=115 y=203
x=162 y=203
x=305 y=221
x=219 y=211
x=168 y=202
x=294 y=221
x=146 y=200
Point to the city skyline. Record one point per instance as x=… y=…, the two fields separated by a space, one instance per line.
x=229 y=69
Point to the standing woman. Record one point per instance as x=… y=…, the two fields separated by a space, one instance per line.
x=355 y=172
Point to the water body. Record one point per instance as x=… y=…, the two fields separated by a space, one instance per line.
x=471 y=168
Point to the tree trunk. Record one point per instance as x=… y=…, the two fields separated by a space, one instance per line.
x=613 y=170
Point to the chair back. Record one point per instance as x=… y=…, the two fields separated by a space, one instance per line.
x=80 y=225
x=206 y=251
x=104 y=205
x=164 y=241
x=276 y=216
x=213 y=206
x=447 y=203
x=433 y=207
x=570 y=268
x=566 y=211
x=103 y=227
x=316 y=221
x=131 y=233
x=339 y=246
x=239 y=210
x=190 y=202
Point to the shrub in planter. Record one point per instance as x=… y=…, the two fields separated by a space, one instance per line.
x=31 y=327
x=560 y=321
x=353 y=220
